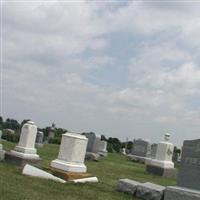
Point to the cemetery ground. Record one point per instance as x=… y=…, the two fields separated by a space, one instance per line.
x=15 y=186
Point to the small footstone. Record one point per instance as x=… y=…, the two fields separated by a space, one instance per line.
x=127 y=186
x=180 y=193
x=150 y=191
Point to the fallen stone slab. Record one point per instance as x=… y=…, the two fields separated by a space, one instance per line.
x=86 y=180
x=92 y=156
x=181 y=193
x=150 y=191
x=33 y=171
x=127 y=186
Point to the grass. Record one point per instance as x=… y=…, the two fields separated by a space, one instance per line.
x=15 y=186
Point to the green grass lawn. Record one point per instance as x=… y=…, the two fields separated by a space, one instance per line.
x=15 y=186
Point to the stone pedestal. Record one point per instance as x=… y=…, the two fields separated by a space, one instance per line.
x=25 y=150
x=162 y=164
x=71 y=154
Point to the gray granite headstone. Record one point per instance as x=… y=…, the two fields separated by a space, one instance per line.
x=180 y=193
x=153 y=150
x=91 y=139
x=94 y=142
x=189 y=172
x=141 y=148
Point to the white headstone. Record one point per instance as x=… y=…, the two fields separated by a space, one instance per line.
x=26 y=145
x=72 y=153
x=102 y=148
x=164 y=154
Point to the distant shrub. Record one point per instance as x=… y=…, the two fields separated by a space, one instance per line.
x=55 y=140
x=10 y=136
x=109 y=148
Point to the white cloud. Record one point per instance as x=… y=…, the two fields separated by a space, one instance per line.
x=52 y=48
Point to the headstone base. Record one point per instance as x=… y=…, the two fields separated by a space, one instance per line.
x=69 y=176
x=180 y=193
x=68 y=166
x=19 y=161
x=165 y=172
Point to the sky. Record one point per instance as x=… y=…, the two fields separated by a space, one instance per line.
x=122 y=69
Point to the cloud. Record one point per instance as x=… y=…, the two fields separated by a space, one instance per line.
x=61 y=64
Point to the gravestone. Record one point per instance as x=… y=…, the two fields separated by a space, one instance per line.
x=162 y=164
x=189 y=172
x=91 y=140
x=141 y=148
x=39 y=139
x=70 y=161
x=2 y=152
x=181 y=193
x=95 y=144
x=153 y=150
x=25 y=151
x=102 y=148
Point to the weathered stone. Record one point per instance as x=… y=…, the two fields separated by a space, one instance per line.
x=153 y=150
x=21 y=162
x=180 y=193
x=162 y=164
x=40 y=137
x=159 y=171
x=102 y=148
x=92 y=156
x=150 y=191
x=141 y=148
x=127 y=186
x=33 y=171
x=26 y=145
x=25 y=151
x=189 y=172
x=91 y=140
x=71 y=154
x=86 y=180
